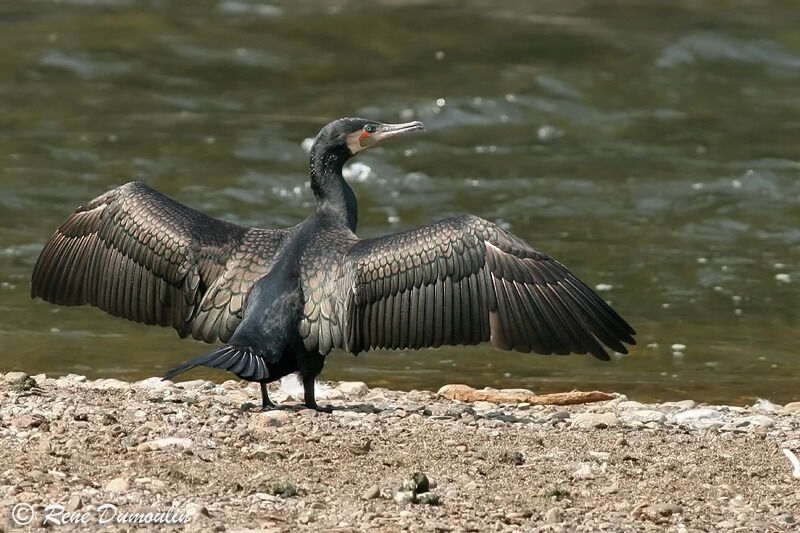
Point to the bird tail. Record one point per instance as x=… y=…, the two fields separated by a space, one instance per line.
x=240 y=361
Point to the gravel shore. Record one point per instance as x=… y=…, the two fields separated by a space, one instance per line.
x=113 y=453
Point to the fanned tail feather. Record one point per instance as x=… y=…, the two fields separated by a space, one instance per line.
x=240 y=361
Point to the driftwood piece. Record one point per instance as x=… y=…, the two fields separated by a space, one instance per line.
x=465 y=393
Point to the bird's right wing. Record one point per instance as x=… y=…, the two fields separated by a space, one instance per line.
x=464 y=280
x=137 y=254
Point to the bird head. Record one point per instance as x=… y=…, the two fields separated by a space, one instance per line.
x=356 y=134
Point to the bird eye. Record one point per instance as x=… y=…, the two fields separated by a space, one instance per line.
x=369 y=128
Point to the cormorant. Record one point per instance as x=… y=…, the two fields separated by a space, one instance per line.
x=282 y=299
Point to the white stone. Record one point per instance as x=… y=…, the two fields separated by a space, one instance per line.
x=583 y=472
x=118 y=485
x=153 y=383
x=271 y=418
x=792 y=407
x=15 y=377
x=331 y=394
x=683 y=404
x=693 y=415
x=166 y=442
x=553 y=516
x=110 y=384
x=760 y=421
x=353 y=388
x=592 y=420
x=644 y=415
x=630 y=404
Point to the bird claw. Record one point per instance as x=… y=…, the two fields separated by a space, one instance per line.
x=320 y=409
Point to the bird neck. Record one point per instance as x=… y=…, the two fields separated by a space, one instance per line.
x=334 y=196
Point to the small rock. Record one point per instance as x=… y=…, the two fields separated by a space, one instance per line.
x=282 y=488
x=110 y=384
x=166 y=442
x=611 y=489
x=421 y=481
x=694 y=415
x=792 y=407
x=584 y=472
x=760 y=421
x=197 y=510
x=28 y=421
x=553 y=515
x=118 y=485
x=667 y=509
x=272 y=418
x=428 y=498
x=600 y=456
x=373 y=492
x=404 y=496
x=630 y=404
x=683 y=404
x=512 y=457
x=594 y=420
x=153 y=383
x=332 y=394
x=644 y=415
x=75 y=503
x=15 y=378
x=353 y=388
x=206 y=454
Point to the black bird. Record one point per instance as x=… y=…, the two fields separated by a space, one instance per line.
x=282 y=299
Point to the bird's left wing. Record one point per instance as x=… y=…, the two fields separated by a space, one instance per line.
x=465 y=280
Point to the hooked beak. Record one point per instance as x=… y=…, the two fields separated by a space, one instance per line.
x=390 y=130
x=384 y=131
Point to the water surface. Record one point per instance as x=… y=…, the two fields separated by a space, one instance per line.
x=653 y=148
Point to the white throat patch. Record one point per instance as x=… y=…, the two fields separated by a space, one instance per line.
x=354 y=143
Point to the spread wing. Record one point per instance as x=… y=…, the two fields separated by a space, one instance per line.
x=463 y=281
x=138 y=254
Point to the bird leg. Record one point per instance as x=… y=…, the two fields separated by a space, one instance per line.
x=310 y=367
x=266 y=403
x=308 y=391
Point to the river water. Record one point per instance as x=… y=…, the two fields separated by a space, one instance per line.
x=651 y=147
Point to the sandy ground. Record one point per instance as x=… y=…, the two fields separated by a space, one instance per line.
x=109 y=452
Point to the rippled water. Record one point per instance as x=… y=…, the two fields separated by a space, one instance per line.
x=653 y=148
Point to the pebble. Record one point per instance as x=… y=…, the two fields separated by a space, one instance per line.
x=644 y=415
x=110 y=384
x=15 y=378
x=553 y=515
x=693 y=415
x=667 y=509
x=271 y=418
x=404 y=496
x=792 y=407
x=166 y=442
x=353 y=388
x=75 y=502
x=683 y=404
x=118 y=485
x=373 y=492
x=583 y=472
x=760 y=421
x=594 y=420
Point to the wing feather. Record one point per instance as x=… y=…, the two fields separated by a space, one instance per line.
x=465 y=280
x=138 y=254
